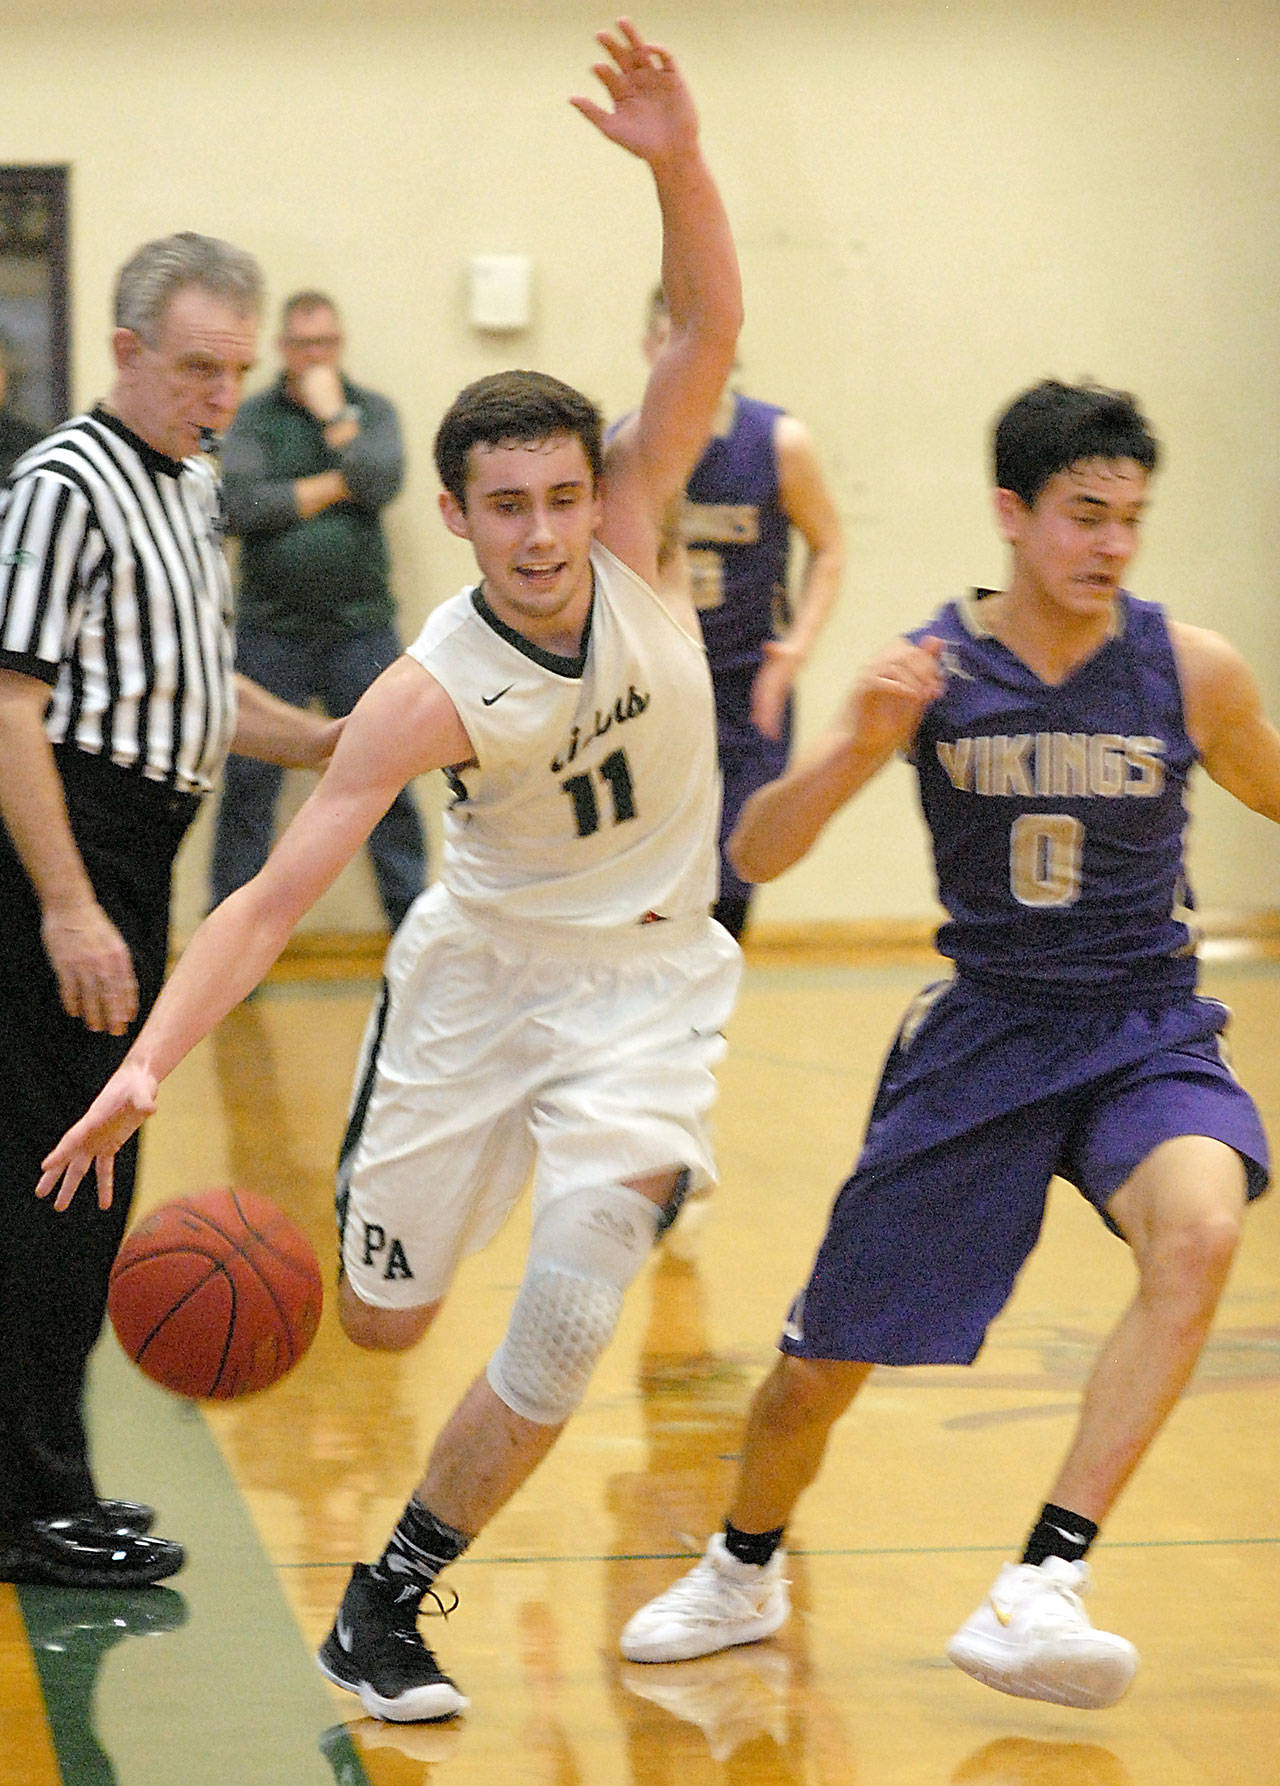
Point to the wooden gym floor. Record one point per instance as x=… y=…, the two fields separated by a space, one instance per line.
x=929 y=1485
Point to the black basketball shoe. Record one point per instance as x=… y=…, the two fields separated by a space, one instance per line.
x=374 y=1650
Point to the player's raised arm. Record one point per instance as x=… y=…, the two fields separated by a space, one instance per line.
x=403 y=726
x=781 y=821
x=653 y=116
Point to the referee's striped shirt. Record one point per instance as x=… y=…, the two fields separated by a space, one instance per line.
x=115 y=591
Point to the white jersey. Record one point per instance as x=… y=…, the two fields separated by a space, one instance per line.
x=595 y=794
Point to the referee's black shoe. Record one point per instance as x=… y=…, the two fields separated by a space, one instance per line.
x=78 y=1551
x=123 y=1516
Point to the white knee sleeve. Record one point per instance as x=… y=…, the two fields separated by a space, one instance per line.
x=585 y=1250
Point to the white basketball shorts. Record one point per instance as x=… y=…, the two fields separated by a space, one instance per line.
x=577 y=1056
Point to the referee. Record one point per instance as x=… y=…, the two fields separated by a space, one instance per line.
x=118 y=705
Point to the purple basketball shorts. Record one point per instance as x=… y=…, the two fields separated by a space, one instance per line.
x=982 y=1101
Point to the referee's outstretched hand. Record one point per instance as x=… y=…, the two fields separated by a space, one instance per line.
x=119 y=1110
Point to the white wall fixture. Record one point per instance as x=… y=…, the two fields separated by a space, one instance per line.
x=500 y=294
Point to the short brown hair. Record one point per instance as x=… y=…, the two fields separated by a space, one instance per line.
x=517 y=406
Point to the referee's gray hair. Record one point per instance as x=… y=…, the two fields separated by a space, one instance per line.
x=152 y=277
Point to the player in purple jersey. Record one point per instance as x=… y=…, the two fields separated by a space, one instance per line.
x=1053 y=725
x=758 y=481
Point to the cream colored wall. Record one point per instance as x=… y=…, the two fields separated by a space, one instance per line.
x=936 y=204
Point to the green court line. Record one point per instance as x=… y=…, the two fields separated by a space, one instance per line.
x=541 y=1558
x=205 y=1680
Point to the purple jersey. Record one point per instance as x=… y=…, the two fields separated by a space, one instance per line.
x=1057 y=811
x=737 y=537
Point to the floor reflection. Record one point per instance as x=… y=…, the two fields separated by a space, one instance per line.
x=398 y=1754
x=1024 y=1761
x=70 y=1630
x=320 y=1413
x=263 y=1150
x=750 y=1713
x=544 y=1732
x=733 y=1698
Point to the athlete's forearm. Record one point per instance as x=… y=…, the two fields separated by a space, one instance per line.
x=782 y=820
x=700 y=278
x=816 y=599
x=227 y=957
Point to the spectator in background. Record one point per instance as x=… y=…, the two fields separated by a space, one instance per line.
x=308 y=467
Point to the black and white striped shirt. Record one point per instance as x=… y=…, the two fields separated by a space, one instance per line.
x=114 y=590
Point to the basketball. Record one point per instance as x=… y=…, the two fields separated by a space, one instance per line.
x=216 y=1295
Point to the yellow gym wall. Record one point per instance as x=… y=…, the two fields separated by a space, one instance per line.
x=935 y=204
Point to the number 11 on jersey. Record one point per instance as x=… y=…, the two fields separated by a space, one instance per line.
x=615 y=773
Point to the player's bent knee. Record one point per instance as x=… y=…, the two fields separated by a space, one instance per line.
x=382 y=1329
x=1199 y=1255
x=586 y=1249
x=559 y=1328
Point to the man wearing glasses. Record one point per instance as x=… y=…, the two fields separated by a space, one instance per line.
x=307 y=469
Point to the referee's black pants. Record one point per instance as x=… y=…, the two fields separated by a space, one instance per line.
x=54 y=1268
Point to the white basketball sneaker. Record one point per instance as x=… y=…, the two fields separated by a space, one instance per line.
x=719 y=1603
x=1032 y=1637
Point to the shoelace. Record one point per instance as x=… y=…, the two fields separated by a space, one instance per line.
x=440 y=1610
x=409 y=1632
x=1059 y=1605
x=691 y=1589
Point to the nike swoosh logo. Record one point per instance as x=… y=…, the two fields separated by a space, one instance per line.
x=1004 y=1616
x=488 y=700
x=344 y=1633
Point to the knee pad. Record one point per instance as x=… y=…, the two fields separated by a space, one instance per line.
x=586 y=1248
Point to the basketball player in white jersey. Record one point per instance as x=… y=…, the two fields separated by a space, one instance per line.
x=554 y=1005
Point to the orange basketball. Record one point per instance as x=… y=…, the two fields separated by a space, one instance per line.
x=216 y=1295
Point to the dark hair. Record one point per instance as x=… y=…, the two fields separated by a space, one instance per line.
x=513 y=406
x=305 y=300
x=1053 y=426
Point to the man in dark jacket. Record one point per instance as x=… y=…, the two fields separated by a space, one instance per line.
x=307 y=469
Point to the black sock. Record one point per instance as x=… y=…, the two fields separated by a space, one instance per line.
x=1059 y=1533
x=751 y=1547
x=732 y=913
x=416 y=1552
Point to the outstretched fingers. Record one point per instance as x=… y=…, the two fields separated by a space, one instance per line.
x=633 y=52
x=119 y=1110
x=68 y=1172
x=637 y=81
